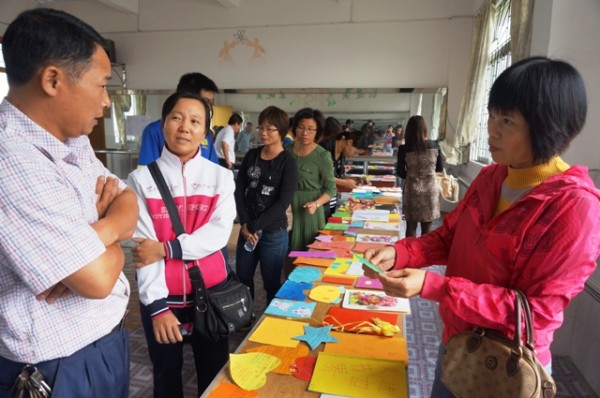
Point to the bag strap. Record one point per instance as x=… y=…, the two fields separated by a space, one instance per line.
x=194 y=272
x=167 y=198
x=521 y=302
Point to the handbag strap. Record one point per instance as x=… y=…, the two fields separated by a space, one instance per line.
x=159 y=179
x=522 y=304
x=167 y=198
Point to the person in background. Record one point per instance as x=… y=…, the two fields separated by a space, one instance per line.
x=242 y=142
x=418 y=161
x=367 y=138
x=63 y=295
x=266 y=182
x=388 y=139
x=153 y=139
x=340 y=145
x=316 y=185
x=398 y=136
x=289 y=137
x=204 y=195
x=348 y=125
x=225 y=141
x=529 y=221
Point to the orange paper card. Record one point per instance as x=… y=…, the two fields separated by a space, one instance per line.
x=338 y=280
x=348 y=320
x=317 y=262
x=367 y=346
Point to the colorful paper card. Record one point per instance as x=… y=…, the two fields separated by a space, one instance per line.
x=359 y=377
x=338 y=280
x=381 y=239
x=387 y=226
x=324 y=238
x=361 y=247
x=364 y=282
x=366 y=262
x=371 y=215
x=374 y=301
x=315 y=336
x=338 y=227
x=277 y=331
x=293 y=290
x=338 y=267
x=369 y=346
x=305 y=274
x=287 y=355
x=228 y=390
x=326 y=294
x=352 y=321
x=316 y=262
x=249 y=371
x=290 y=308
x=313 y=254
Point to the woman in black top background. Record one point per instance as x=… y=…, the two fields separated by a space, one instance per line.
x=418 y=161
x=266 y=182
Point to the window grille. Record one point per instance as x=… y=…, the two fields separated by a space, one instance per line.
x=499 y=60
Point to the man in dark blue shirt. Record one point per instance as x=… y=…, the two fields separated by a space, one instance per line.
x=153 y=139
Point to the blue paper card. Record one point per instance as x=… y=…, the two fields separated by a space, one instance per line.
x=305 y=274
x=293 y=290
x=290 y=308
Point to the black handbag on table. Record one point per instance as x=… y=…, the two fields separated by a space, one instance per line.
x=222 y=309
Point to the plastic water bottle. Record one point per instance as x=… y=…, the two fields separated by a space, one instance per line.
x=249 y=246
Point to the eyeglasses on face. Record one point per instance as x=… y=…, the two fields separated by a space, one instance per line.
x=260 y=129
x=302 y=129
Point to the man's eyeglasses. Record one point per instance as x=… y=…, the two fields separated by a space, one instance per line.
x=260 y=129
x=302 y=129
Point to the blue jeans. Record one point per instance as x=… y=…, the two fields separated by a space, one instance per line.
x=439 y=390
x=270 y=251
x=98 y=370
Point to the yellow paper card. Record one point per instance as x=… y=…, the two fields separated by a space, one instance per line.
x=249 y=371
x=339 y=267
x=359 y=377
x=369 y=346
x=285 y=354
x=317 y=262
x=279 y=332
x=326 y=293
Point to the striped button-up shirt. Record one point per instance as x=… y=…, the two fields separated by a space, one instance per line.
x=47 y=203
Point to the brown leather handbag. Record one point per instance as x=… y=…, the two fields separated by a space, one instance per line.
x=485 y=363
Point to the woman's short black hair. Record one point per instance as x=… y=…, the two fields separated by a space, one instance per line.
x=172 y=100
x=309 y=113
x=277 y=117
x=332 y=127
x=550 y=94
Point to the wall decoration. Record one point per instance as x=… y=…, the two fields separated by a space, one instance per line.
x=240 y=40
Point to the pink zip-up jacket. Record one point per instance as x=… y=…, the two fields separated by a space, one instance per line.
x=545 y=244
x=203 y=193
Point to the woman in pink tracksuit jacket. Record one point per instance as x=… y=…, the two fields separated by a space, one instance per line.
x=530 y=221
x=203 y=193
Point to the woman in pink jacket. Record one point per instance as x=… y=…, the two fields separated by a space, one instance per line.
x=529 y=222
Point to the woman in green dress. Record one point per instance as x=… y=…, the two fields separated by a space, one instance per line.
x=316 y=185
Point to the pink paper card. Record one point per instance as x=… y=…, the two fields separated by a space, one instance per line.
x=367 y=283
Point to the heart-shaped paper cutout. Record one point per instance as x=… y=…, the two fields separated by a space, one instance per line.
x=249 y=371
x=303 y=368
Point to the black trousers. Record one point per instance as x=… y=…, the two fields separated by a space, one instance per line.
x=167 y=359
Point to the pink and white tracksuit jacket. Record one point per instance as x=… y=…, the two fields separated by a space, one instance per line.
x=545 y=244
x=203 y=193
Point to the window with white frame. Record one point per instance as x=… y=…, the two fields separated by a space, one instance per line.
x=499 y=60
x=3 y=81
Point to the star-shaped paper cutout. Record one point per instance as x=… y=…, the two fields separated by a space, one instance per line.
x=315 y=336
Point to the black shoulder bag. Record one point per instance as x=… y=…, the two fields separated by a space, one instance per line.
x=225 y=308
